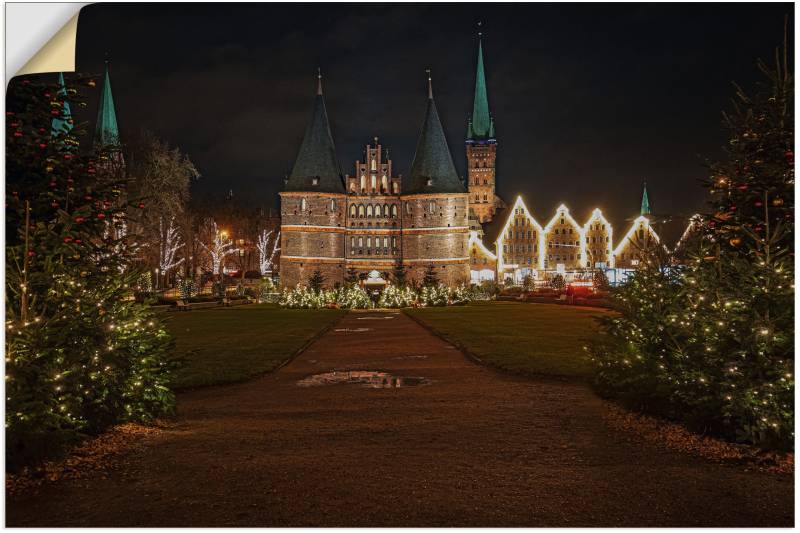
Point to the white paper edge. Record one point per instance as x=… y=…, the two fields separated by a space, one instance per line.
x=40 y=37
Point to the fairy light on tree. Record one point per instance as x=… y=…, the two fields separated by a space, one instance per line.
x=171 y=243
x=712 y=343
x=219 y=247
x=81 y=354
x=267 y=250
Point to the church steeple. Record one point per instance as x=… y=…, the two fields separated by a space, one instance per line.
x=432 y=170
x=106 y=131
x=645 y=209
x=62 y=124
x=316 y=168
x=481 y=123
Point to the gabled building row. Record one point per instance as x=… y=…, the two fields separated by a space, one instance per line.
x=521 y=245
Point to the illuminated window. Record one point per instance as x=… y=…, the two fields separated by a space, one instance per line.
x=373 y=181
x=360 y=242
x=353 y=211
x=369 y=211
x=363 y=183
x=372 y=165
x=333 y=204
x=394 y=210
x=385 y=183
x=302 y=204
x=360 y=211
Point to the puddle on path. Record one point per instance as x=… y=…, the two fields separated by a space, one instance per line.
x=411 y=357
x=374 y=317
x=353 y=330
x=366 y=378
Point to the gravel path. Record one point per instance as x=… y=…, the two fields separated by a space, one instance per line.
x=466 y=447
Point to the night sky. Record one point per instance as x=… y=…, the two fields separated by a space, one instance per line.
x=588 y=99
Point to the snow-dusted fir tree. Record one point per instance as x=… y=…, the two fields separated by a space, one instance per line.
x=219 y=247
x=268 y=248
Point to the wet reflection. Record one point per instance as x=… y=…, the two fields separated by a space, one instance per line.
x=365 y=378
x=353 y=330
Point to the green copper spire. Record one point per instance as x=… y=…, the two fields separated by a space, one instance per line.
x=62 y=124
x=645 y=201
x=106 y=131
x=481 y=120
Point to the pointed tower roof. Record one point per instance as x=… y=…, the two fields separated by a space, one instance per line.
x=62 y=124
x=432 y=170
x=316 y=167
x=106 y=132
x=482 y=125
x=645 y=210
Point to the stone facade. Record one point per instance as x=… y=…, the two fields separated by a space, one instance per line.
x=481 y=179
x=373 y=227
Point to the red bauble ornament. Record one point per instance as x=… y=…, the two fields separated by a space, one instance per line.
x=733 y=208
x=54 y=204
x=31 y=253
x=67 y=239
x=141 y=206
x=742 y=187
x=789 y=154
x=78 y=241
x=101 y=215
x=17 y=134
x=79 y=219
x=759 y=203
x=52 y=183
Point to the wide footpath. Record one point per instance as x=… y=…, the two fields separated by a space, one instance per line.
x=456 y=444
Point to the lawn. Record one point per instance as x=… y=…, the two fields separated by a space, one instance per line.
x=525 y=338
x=233 y=344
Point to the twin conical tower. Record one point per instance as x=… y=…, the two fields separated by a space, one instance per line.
x=377 y=223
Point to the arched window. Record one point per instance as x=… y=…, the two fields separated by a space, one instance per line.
x=373 y=181
x=396 y=187
x=363 y=182
x=372 y=164
x=369 y=242
x=384 y=183
x=369 y=210
x=333 y=204
x=360 y=242
x=302 y=204
x=386 y=242
x=377 y=210
x=360 y=211
x=352 y=242
x=353 y=211
x=432 y=206
x=394 y=210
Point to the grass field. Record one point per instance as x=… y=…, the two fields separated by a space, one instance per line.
x=232 y=344
x=531 y=339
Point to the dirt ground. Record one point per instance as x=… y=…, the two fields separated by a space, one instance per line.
x=465 y=446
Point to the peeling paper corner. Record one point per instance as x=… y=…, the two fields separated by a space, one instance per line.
x=52 y=54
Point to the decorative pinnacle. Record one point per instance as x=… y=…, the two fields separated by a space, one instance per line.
x=319 y=81
x=430 y=84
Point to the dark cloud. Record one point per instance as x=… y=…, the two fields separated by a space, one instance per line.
x=589 y=99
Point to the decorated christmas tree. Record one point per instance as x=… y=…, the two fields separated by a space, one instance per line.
x=711 y=343
x=81 y=354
